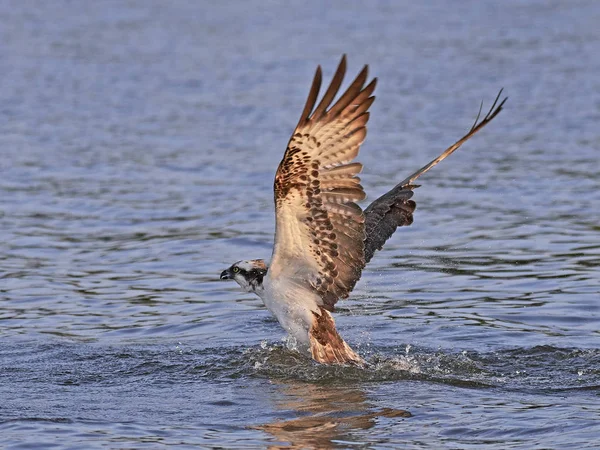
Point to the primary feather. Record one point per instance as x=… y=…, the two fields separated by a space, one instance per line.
x=318 y=224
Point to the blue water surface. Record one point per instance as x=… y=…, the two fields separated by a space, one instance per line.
x=138 y=145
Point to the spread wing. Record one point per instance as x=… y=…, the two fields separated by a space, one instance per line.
x=320 y=231
x=394 y=208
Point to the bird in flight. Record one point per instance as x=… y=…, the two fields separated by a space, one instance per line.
x=323 y=239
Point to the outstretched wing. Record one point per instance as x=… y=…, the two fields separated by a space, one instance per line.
x=319 y=239
x=394 y=208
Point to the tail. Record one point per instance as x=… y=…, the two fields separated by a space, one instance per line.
x=326 y=345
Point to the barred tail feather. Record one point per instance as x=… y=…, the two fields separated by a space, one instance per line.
x=327 y=346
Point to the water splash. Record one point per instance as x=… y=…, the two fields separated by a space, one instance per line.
x=533 y=368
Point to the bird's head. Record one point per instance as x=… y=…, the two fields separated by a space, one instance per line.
x=248 y=274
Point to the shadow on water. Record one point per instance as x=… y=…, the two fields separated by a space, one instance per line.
x=327 y=414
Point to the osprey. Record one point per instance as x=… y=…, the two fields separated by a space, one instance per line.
x=323 y=239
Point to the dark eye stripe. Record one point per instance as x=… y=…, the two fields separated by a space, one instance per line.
x=257 y=274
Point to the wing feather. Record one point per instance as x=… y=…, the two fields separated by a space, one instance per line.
x=323 y=238
x=331 y=184
x=320 y=230
x=312 y=96
x=342 y=172
x=395 y=208
x=332 y=90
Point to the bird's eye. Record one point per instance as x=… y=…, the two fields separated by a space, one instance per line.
x=236 y=269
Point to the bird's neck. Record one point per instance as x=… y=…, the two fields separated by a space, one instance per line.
x=256 y=287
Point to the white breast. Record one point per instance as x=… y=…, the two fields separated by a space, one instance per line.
x=292 y=305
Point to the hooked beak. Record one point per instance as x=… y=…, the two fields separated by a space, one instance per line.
x=225 y=275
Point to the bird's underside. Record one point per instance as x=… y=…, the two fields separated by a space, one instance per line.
x=323 y=239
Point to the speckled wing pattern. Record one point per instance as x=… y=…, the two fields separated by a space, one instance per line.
x=320 y=230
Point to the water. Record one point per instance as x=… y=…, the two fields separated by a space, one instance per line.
x=139 y=142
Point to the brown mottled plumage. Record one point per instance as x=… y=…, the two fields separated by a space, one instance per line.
x=326 y=345
x=317 y=188
x=323 y=239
